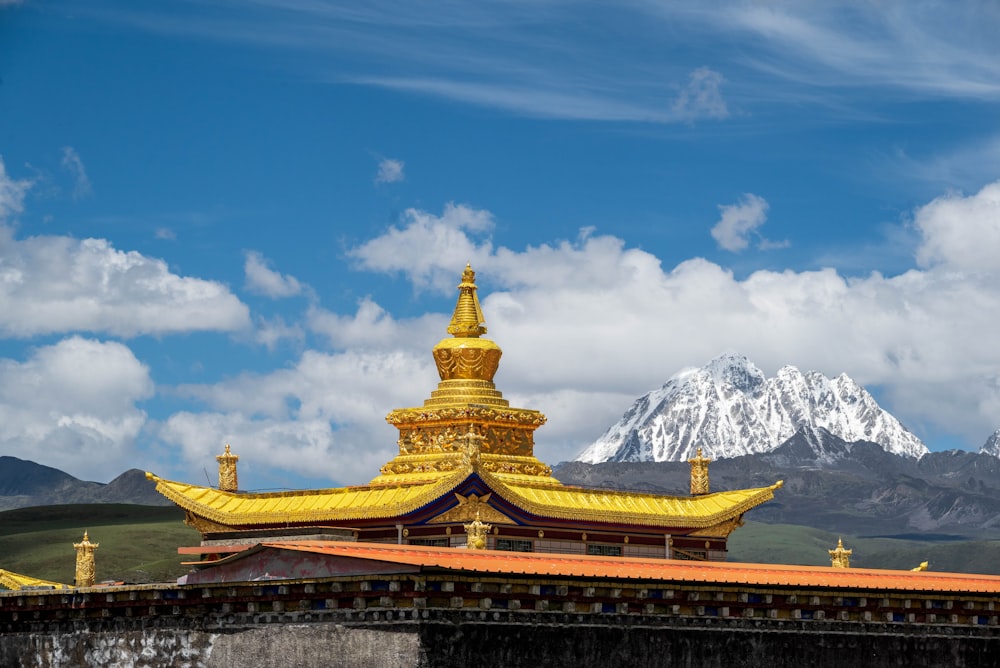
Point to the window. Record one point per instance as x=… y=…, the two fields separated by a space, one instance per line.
x=604 y=550
x=511 y=545
x=437 y=542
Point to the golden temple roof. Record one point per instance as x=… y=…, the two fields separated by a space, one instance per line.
x=16 y=582
x=465 y=428
x=305 y=506
x=553 y=500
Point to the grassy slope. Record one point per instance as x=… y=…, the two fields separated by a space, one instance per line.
x=137 y=543
x=793 y=544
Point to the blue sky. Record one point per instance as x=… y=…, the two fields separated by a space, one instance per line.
x=244 y=221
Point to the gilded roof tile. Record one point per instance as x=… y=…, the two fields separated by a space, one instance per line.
x=16 y=582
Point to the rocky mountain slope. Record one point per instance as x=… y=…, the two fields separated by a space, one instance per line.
x=729 y=408
x=856 y=488
x=24 y=483
x=992 y=445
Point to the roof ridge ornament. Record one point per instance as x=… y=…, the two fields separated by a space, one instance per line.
x=86 y=572
x=840 y=557
x=467 y=321
x=228 y=480
x=699 y=474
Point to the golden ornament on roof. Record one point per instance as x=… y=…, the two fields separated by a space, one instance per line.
x=839 y=557
x=699 y=473
x=86 y=571
x=227 y=470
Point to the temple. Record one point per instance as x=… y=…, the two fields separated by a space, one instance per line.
x=466 y=459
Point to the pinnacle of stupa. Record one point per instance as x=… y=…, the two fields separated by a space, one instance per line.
x=466 y=356
x=466 y=416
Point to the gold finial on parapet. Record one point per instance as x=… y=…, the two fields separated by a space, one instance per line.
x=699 y=473
x=840 y=558
x=467 y=321
x=227 y=471
x=924 y=565
x=86 y=571
x=476 y=533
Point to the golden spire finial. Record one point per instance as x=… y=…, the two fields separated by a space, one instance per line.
x=228 y=481
x=86 y=572
x=467 y=321
x=699 y=473
x=840 y=558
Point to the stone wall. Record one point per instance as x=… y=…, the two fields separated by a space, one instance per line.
x=454 y=638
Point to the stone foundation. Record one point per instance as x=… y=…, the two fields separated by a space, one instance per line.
x=440 y=620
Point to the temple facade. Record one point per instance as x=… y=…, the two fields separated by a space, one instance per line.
x=466 y=458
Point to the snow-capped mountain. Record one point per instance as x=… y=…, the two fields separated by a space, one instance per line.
x=992 y=445
x=729 y=408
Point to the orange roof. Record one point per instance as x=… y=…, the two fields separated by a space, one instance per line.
x=724 y=573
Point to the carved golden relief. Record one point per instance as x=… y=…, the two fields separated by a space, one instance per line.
x=444 y=439
x=202 y=525
x=699 y=473
x=86 y=570
x=515 y=465
x=480 y=414
x=470 y=507
x=466 y=361
x=421 y=464
x=720 y=530
x=476 y=532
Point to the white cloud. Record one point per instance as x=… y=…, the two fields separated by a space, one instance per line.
x=52 y=284
x=702 y=97
x=323 y=417
x=72 y=163
x=165 y=234
x=738 y=221
x=12 y=192
x=373 y=327
x=427 y=244
x=961 y=233
x=390 y=171
x=72 y=405
x=271 y=331
x=263 y=280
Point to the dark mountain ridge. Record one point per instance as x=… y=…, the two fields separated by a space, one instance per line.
x=856 y=488
x=24 y=484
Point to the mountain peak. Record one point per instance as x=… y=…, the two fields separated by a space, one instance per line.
x=730 y=408
x=992 y=445
x=735 y=370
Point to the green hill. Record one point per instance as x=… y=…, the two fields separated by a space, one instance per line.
x=793 y=544
x=137 y=543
